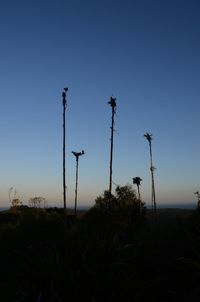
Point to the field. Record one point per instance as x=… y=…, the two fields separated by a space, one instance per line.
x=46 y=256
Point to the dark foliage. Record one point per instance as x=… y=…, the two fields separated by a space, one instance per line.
x=100 y=256
x=192 y=259
x=124 y=205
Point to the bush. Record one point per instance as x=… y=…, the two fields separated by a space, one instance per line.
x=123 y=207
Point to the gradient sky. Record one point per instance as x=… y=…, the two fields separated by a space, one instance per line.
x=145 y=53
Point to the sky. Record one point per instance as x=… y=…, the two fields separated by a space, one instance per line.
x=146 y=53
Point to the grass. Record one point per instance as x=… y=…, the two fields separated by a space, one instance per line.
x=46 y=256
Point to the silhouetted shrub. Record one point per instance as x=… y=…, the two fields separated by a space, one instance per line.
x=124 y=208
x=47 y=259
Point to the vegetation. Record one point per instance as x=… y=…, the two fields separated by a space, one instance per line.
x=149 y=138
x=14 y=198
x=37 y=202
x=77 y=155
x=124 y=205
x=105 y=254
x=113 y=252
x=137 y=181
x=47 y=256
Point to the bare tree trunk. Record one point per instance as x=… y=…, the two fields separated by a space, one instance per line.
x=153 y=198
x=64 y=155
x=76 y=187
x=138 y=187
x=111 y=150
x=64 y=179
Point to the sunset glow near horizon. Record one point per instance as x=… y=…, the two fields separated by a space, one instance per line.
x=144 y=53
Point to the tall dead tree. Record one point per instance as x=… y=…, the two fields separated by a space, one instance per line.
x=149 y=138
x=64 y=103
x=137 y=181
x=198 y=199
x=113 y=105
x=77 y=155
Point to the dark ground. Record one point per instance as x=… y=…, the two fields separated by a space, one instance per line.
x=161 y=269
x=164 y=273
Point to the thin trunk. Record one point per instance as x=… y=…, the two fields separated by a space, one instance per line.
x=153 y=198
x=138 y=187
x=64 y=163
x=76 y=187
x=111 y=150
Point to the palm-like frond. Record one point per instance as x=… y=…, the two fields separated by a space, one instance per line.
x=148 y=136
x=112 y=102
x=137 y=180
x=77 y=154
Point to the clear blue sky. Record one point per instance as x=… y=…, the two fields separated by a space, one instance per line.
x=145 y=53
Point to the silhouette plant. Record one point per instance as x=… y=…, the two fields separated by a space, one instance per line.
x=37 y=202
x=198 y=199
x=149 y=138
x=77 y=155
x=125 y=207
x=14 y=198
x=113 y=105
x=137 y=181
x=64 y=103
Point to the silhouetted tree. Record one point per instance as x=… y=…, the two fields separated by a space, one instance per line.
x=37 y=201
x=14 y=198
x=77 y=155
x=149 y=138
x=198 y=199
x=125 y=206
x=64 y=103
x=137 y=181
x=125 y=195
x=112 y=103
x=104 y=201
